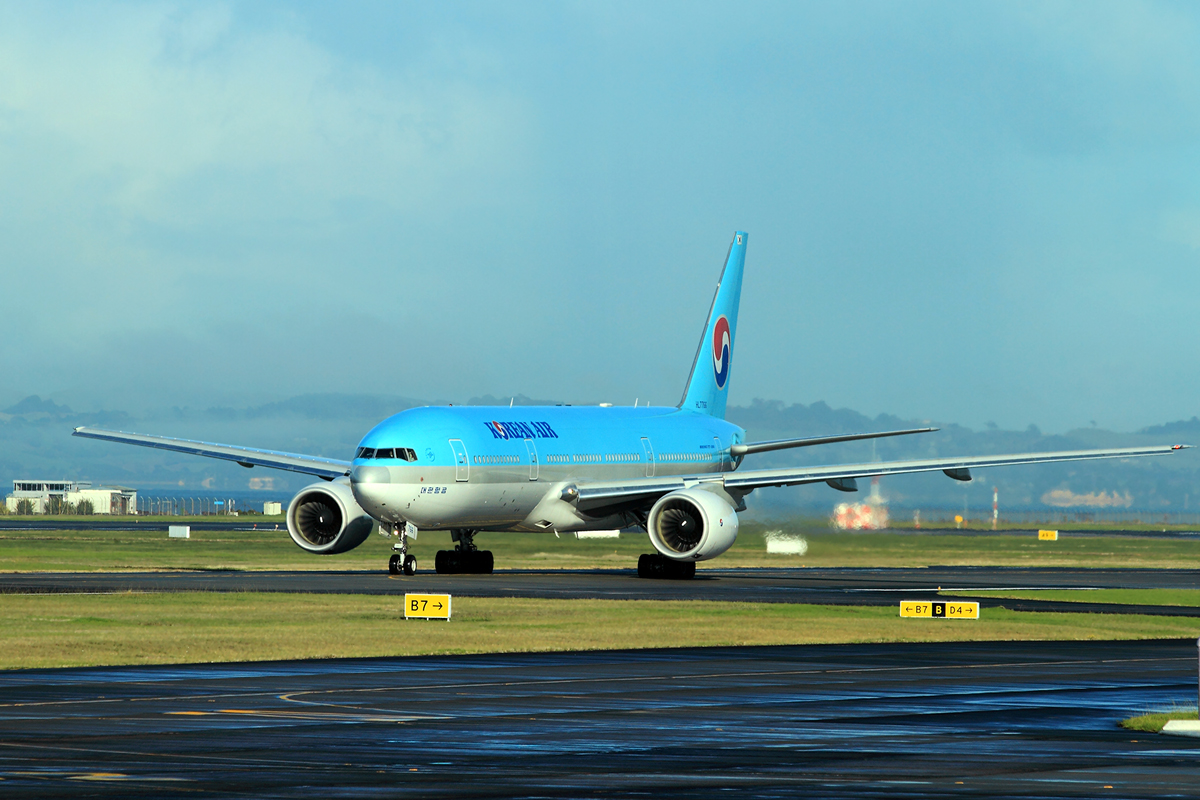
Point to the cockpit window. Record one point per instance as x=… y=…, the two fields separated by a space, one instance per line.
x=403 y=453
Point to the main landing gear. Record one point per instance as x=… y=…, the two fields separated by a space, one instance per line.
x=659 y=566
x=465 y=558
x=401 y=561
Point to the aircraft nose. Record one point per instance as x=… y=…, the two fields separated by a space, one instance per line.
x=370 y=475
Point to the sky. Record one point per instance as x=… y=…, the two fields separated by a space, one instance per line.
x=963 y=212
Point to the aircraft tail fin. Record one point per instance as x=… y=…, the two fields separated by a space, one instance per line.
x=708 y=383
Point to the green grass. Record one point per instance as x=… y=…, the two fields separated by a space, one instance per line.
x=1149 y=597
x=985 y=524
x=1154 y=722
x=828 y=548
x=81 y=630
x=150 y=549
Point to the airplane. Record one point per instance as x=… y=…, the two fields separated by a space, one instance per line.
x=674 y=472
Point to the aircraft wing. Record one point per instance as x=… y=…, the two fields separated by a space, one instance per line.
x=327 y=468
x=785 y=444
x=608 y=493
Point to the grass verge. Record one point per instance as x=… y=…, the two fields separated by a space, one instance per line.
x=1153 y=723
x=1147 y=597
x=189 y=627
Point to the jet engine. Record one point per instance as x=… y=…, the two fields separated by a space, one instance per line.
x=325 y=519
x=692 y=525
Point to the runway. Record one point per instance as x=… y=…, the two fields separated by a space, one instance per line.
x=822 y=586
x=1013 y=719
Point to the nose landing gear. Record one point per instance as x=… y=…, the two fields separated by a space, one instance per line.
x=401 y=562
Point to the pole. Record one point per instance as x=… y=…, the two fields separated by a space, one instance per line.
x=995 y=506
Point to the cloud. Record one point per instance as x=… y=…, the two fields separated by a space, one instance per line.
x=150 y=153
x=202 y=199
x=149 y=105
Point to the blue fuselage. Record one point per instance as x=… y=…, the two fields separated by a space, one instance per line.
x=502 y=468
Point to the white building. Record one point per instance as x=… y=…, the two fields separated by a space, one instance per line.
x=44 y=494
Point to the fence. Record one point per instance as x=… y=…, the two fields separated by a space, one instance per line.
x=1036 y=517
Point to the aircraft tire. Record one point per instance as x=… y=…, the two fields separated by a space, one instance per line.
x=410 y=565
x=684 y=571
x=471 y=562
x=394 y=564
x=657 y=566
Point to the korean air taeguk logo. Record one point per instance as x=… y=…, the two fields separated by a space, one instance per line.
x=722 y=351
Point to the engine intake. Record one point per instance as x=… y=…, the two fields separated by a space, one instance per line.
x=325 y=519
x=692 y=525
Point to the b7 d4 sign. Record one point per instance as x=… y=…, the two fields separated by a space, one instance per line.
x=427 y=606
x=939 y=609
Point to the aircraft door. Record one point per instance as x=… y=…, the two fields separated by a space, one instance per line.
x=533 y=461
x=718 y=456
x=462 y=469
x=649 y=448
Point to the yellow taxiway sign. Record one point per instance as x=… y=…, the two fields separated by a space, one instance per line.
x=939 y=609
x=427 y=606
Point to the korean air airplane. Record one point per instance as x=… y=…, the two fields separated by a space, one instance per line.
x=675 y=472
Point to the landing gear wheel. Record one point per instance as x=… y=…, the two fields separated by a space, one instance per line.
x=395 y=564
x=658 y=566
x=410 y=565
x=464 y=562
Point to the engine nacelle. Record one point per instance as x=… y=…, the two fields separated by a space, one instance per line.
x=692 y=525
x=325 y=518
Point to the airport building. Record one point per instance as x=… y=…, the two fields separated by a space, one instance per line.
x=54 y=496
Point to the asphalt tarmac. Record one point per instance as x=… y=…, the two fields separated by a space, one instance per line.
x=823 y=586
x=1012 y=719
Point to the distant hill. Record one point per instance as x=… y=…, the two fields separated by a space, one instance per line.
x=1166 y=484
x=1186 y=428
x=36 y=405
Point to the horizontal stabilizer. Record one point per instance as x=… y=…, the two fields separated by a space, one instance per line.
x=785 y=444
